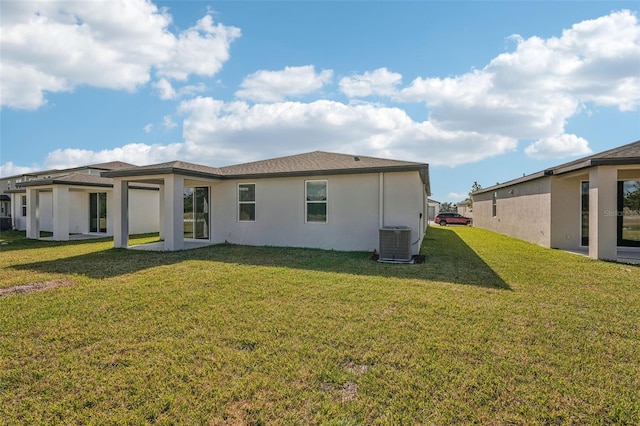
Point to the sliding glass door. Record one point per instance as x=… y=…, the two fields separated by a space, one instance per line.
x=98 y=212
x=196 y=213
x=629 y=213
x=584 y=213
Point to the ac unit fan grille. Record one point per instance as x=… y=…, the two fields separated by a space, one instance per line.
x=395 y=243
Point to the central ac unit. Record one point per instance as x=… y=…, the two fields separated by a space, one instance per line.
x=395 y=243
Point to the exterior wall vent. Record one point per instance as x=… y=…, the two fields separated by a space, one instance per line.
x=395 y=243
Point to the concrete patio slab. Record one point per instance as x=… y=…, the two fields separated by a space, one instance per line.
x=159 y=246
x=625 y=254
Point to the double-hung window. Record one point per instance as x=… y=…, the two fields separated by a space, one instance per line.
x=247 y=202
x=24 y=205
x=316 y=201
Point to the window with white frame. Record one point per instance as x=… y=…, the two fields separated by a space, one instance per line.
x=316 y=201
x=247 y=202
x=495 y=204
x=24 y=205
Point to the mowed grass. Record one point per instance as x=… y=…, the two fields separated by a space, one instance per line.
x=490 y=330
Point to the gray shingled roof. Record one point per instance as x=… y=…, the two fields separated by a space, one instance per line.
x=625 y=154
x=312 y=163
x=111 y=165
x=622 y=155
x=70 y=179
x=179 y=167
x=316 y=162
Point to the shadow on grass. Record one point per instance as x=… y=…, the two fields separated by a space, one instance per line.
x=16 y=240
x=448 y=259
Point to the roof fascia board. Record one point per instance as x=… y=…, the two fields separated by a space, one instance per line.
x=615 y=161
x=538 y=175
x=158 y=173
x=83 y=185
x=52 y=182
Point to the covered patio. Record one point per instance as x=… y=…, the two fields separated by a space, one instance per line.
x=184 y=208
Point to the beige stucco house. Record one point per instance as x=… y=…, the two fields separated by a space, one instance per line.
x=318 y=199
x=590 y=204
x=76 y=201
x=433 y=208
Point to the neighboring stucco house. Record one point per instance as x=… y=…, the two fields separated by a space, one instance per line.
x=433 y=208
x=76 y=201
x=318 y=199
x=464 y=208
x=588 y=204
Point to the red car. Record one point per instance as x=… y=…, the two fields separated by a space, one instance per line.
x=444 y=219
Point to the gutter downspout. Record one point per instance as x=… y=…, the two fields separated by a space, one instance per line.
x=381 y=200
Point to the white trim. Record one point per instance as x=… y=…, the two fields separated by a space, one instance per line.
x=255 y=204
x=326 y=201
x=98 y=232
x=208 y=213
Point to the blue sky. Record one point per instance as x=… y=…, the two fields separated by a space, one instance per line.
x=482 y=91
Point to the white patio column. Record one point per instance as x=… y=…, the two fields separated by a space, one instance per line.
x=173 y=215
x=33 y=213
x=603 y=218
x=14 y=210
x=110 y=211
x=60 y=213
x=161 y=212
x=120 y=213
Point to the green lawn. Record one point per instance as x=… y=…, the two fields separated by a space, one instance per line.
x=489 y=330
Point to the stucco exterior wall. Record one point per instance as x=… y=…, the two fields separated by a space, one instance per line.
x=566 y=212
x=522 y=211
x=144 y=211
x=19 y=221
x=79 y=212
x=46 y=211
x=353 y=211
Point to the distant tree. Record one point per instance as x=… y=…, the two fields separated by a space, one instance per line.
x=475 y=187
x=447 y=207
x=632 y=198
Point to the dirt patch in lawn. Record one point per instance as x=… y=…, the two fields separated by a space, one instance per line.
x=31 y=287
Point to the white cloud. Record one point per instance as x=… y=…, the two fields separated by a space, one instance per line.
x=200 y=50
x=11 y=169
x=558 y=147
x=148 y=128
x=165 y=89
x=226 y=133
x=529 y=93
x=378 y=82
x=135 y=153
x=57 y=45
x=458 y=196
x=221 y=133
x=168 y=123
x=532 y=92
x=275 y=86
